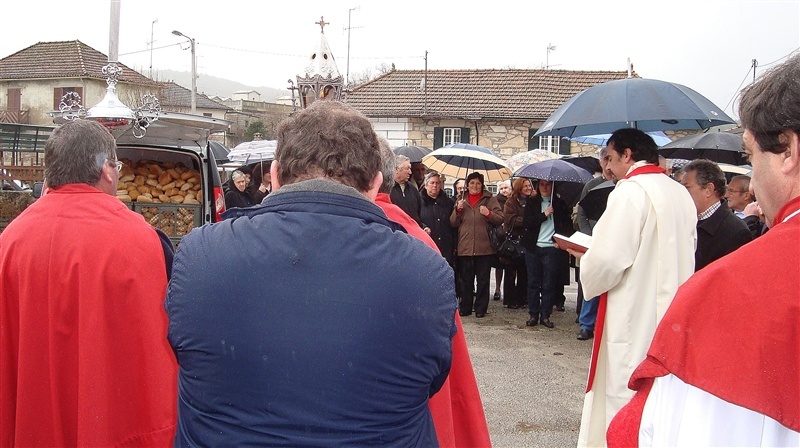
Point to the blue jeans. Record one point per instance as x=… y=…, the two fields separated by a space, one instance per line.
x=588 y=314
x=544 y=264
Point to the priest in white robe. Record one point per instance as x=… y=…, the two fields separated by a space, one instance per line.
x=642 y=250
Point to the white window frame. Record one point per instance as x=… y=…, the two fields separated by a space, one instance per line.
x=450 y=136
x=550 y=143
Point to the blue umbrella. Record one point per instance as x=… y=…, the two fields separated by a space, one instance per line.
x=646 y=104
x=555 y=170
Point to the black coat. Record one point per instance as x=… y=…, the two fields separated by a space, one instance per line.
x=718 y=235
x=409 y=200
x=533 y=217
x=236 y=198
x=435 y=214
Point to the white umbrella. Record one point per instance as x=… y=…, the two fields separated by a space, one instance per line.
x=255 y=151
x=461 y=159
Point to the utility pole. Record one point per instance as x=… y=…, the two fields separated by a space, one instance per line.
x=347 y=74
x=755 y=64
x=151 y=47
x=425 y=86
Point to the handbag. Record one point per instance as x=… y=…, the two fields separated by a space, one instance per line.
x=496 y=236
x=511 y=249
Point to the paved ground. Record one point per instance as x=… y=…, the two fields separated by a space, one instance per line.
x=531 y=379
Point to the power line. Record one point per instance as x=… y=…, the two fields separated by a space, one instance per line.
x=149 y=49
x=751 y=69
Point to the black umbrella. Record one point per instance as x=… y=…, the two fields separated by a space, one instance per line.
x=589 y=163
x=596 y=199
x=721 y=147
x=218 y=150
x=414 y=153
x=646 y=104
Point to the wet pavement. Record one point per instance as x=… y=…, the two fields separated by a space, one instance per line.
x=532 y=379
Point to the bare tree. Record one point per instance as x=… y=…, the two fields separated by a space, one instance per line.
x=370 y=73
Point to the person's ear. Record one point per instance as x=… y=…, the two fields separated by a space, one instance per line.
x=791 y=161
x=372 y=193
x=627 y=154
x=273 y=173
x=109 y=172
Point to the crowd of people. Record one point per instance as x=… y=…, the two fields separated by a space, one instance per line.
x=334 y=338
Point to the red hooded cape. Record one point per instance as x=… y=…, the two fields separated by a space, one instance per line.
x=84 y=358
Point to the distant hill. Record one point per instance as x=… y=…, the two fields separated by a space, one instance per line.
x=211 y=85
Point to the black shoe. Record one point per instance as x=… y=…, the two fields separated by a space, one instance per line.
x=480 y=315
x=513 y=307
x=585 y=334
x=532 y=322
x=560 y=308
x=547 y=323
x=497 y=296
x=577 y=320
x=462 y=314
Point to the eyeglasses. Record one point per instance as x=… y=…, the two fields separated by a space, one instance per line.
x=117 y=163
x=737 y=191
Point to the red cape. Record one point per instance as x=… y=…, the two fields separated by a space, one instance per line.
x=744 y=305
x=457 y=409
x=84 y=357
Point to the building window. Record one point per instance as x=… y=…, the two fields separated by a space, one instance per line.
x=451 y=135
x=549 y=143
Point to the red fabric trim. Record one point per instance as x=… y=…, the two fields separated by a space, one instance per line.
x=623 y=431
x=598 y=335
x=787 y=209
x=647 y=169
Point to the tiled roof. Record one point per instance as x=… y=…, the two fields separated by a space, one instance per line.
x=473 y=94
x=172 y=94
x=68 y=59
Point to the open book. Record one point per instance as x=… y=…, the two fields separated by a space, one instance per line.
x=579 y=242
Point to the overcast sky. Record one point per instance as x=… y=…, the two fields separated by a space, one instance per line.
x=707 y=45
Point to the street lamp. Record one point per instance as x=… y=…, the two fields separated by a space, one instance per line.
x=194 y=71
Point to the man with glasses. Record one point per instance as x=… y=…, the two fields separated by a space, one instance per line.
x=84 y=359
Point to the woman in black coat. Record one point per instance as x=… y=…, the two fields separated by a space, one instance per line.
x=545 y=214
x=237 y=196
x=435 y=215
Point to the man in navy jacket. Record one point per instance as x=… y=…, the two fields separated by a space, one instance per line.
x=306 y=321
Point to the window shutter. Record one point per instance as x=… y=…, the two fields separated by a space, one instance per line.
x=533 y=142
x=464 y=135
x=14 y=99
x=564 y=146
x=58 y=92
x=438 y=138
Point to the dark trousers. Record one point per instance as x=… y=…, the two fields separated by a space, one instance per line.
x=544 y=266
x=470 y=268
x=515 y=285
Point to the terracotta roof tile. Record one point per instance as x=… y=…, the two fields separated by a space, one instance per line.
x=508 y=94
x=67 y=59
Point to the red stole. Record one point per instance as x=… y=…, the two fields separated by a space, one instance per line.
x=601 y=307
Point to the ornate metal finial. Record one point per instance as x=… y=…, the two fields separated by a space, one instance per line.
x=147 y=112
x=294 y=100
x=322 y=24
x=70 y=106
x=112 y=72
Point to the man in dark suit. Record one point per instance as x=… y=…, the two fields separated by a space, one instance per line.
x=719 y=231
